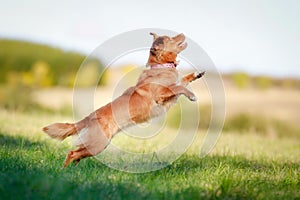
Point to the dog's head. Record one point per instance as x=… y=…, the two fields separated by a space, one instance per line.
x=164 y=49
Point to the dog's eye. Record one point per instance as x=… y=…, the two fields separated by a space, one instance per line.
x=152 y=51
x=159 y=41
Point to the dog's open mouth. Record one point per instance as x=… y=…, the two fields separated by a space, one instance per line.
x=182 y=44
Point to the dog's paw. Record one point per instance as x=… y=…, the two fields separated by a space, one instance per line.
x=198 y=74
x=193 y=98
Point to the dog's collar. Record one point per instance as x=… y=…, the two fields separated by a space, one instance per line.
x=165 y=65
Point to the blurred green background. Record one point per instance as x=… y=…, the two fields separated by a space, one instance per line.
x=34 y=77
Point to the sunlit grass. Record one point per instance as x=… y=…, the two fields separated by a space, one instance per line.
x=242 y=166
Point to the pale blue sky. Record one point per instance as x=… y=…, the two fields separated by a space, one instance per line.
x=256 y=36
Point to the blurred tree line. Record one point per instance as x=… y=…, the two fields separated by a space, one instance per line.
x=39 y=65
x=26 y=66
x=242 y=81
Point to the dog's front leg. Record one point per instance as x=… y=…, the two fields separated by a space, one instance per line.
x=173 y=92
x=191 y=77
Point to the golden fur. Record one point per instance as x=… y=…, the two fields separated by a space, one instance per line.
x=156 y=91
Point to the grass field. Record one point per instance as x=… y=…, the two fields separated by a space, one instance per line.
x=242 y=166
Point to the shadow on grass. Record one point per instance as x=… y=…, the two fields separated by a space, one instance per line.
x=32 y=170
x=17 y=142
x=29 y=171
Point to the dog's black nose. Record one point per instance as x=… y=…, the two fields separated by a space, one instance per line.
x=200 y=74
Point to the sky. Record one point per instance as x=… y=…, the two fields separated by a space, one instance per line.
x=260 y=37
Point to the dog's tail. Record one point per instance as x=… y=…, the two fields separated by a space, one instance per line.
x=60 y=130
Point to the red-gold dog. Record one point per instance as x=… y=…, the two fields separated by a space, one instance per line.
x=156 y=91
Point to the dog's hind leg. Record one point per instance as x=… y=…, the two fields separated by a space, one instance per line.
x=77 y=155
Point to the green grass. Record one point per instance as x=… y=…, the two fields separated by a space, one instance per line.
x=241 y=167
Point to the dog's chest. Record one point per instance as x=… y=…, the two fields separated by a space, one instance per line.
x=163 y=77
x=158 y=79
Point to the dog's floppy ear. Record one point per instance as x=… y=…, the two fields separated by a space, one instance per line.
x=155 y=36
